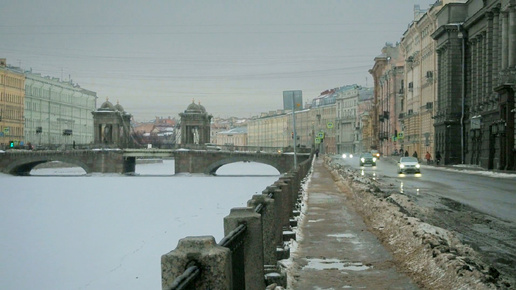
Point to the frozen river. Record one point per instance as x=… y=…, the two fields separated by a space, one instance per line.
x=109 y=231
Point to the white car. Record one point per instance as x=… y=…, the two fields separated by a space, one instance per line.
x=347 y=155
x=409 y=165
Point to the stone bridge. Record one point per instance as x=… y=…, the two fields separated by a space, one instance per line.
x=21 y=162
x=207 y=162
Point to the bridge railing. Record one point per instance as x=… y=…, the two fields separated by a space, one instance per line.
x=256 y=237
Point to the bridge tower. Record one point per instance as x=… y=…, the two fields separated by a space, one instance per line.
x=195 y=125
x=112 y=125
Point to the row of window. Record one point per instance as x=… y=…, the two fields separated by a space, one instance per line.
x=9 y=81
x=66 y=97
x=12 y=131
x=11 y=98
x=12 y=113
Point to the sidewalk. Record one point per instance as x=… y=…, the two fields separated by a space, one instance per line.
x=335 y=249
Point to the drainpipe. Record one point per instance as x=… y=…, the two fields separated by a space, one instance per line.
x=463 y=90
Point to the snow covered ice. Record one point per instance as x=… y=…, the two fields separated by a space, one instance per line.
x=109 y=231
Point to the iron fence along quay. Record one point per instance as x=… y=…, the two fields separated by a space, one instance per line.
x=246 y=257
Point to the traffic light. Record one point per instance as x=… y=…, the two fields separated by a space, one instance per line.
x=11 y=144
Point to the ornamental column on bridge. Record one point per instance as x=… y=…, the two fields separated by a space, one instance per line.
x=195 y=125
x=112 y=125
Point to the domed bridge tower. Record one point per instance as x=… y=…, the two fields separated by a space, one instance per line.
x=112 y=125
x=195 y=125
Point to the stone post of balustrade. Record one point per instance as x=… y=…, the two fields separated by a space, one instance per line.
x=268 y=226
x=253 y=245
x=213 y=260
x=278 y=211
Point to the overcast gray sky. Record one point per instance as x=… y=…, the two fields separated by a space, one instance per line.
x=235 y=57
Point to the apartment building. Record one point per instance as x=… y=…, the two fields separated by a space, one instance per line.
x=476 y=57
x=57 y=112
x=348 y=122
x=12 y=99
x=388 y=104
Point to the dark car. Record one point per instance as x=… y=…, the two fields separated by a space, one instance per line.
x=367 y=158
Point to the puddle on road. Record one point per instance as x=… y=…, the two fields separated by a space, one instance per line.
x=343 y=236
x=334 y=264
x=350 y=238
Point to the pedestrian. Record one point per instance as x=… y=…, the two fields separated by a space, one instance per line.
x=415 y=154
x=428 y=157
x=406 y=153
x=438 y=157
x=316 y=153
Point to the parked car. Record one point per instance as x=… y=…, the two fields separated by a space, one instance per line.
x=409 y=165
x=367 y=158
x=376 y=154
x=347 y=155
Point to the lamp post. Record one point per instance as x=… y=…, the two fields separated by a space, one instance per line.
x=294 y=129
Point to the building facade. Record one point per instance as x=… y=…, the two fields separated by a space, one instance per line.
x=315 y=126
x=476 y=47
x=366 y=136
x=418 y=48
x=348 y=123
x=233 y=137
x=57 y=112
x=388 y=104
x=12 y=99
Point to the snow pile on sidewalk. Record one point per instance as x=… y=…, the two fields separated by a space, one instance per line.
x=432 y=256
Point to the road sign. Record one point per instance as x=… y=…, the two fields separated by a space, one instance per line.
x=293 y=98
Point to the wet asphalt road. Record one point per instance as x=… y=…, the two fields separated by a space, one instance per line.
x=479 y=206
x=491 y=195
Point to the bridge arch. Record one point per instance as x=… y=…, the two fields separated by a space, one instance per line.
x=212 y=168
x=24 y=166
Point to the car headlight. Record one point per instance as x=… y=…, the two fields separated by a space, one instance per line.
x=343 y=155
x=417 y=165
x=402 y=166
x=374 y=159
x=362 y=159
x=350 y=155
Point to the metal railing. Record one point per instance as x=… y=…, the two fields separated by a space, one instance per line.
x=283 y=196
